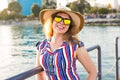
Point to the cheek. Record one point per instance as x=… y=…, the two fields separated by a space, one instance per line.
x=67 y=27
x=54 y=24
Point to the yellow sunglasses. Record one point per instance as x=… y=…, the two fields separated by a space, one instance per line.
x=65 y=20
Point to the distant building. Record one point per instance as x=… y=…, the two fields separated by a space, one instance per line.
x=27 y=4
x=100 y=3
x=116 y=4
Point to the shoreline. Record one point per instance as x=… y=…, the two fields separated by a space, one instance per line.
x=88 y=22
x=102 y=22
x=13 y=22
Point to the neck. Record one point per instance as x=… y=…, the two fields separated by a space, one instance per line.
x=57 y=38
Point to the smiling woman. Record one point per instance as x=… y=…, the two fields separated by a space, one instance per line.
x=3 y=4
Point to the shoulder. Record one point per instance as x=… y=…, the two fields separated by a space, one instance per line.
x=41 y=44
x=80 y=44
x=80 y=49
x=76 y=41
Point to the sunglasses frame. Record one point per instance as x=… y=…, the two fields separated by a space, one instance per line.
x=62 y=19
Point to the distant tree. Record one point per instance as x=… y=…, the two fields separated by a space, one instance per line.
x=52 y=4
x=81 y=6
x=47 y=2
x=103 y=11
x=49 y=5
x=14 y=6
x=73 y=6
x=112 y=11
x=81 y=1
x=35 y=10
x=44 y=7
x=77 y=6
x=109 y=6
x=94 y=10
x=87 y=7
x=4 y=14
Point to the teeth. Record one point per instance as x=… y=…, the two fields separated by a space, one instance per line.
x=60 y=27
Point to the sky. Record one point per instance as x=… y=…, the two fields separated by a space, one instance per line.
x=3 y=4
x=63 y=2
x=101 y=1
x=114 y=3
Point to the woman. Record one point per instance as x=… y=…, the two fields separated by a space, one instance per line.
x=57 y=54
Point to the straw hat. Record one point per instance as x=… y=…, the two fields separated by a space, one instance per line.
x=77 y=18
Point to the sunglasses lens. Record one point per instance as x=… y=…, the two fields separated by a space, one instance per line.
x=58 y=19
x=67 y=21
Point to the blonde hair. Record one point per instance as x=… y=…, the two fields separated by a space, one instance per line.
x=47 y=29
x=68 y=36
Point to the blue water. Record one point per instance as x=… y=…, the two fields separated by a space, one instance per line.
x=18 y=52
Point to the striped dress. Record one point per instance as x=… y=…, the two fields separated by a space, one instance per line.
x=60 y=64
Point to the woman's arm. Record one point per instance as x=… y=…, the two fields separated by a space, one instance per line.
x=82 y=55
x=39 y=76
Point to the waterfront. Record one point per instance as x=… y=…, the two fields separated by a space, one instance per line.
x=17 y=48
x=88 y=22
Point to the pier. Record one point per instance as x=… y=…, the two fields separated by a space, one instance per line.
x=102 y=21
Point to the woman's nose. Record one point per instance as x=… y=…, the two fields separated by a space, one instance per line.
x=62 y=22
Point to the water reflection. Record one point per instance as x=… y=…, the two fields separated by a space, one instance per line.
x=17 y=48
x=5 y=43
x=5 y=47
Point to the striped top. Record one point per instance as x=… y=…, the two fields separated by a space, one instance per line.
x=60 y=64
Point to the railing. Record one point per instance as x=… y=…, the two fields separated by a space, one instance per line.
x=99 y=59
x=26 y=74
x=117 y=58
x=37 y=70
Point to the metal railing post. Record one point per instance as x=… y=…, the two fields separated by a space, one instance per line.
x=117 y=58
x=99 y=59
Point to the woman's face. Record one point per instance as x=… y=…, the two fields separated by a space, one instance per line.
x=61 y=23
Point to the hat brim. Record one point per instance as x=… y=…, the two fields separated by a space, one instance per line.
x=77 y=18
